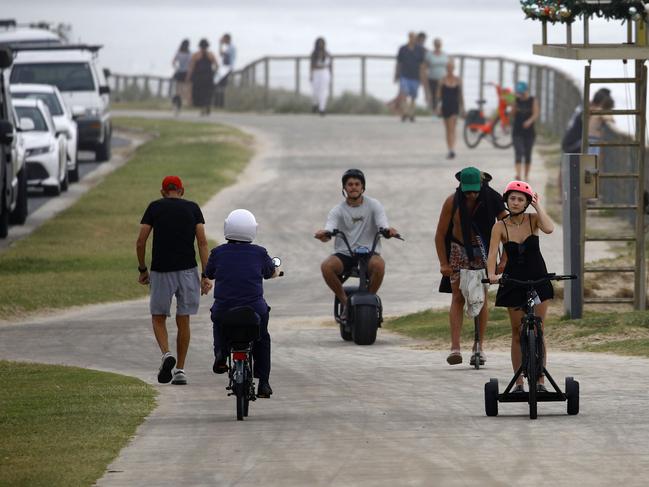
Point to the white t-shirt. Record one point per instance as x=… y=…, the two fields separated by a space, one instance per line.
x=358 y=223
x=436 y=64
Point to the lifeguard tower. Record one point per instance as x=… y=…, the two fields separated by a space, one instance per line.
x=581 y=172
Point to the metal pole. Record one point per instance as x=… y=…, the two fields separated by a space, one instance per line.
x=501 y=75
x=586 y=33
x=640 y=263
x=586 y=111
x=266 y=81
x=462 y=69
x=572 y=239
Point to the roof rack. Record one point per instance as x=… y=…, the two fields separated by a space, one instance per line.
x=63 y=47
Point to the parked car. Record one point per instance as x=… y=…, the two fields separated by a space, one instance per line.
x=13 y=173
x=61 y=115
x=45 y=149
x=74 y=70
x=12 y=33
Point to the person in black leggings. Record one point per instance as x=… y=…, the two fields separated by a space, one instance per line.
x=524 y=114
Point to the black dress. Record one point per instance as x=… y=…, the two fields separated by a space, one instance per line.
x=524 y=262
x=450 y=100
x=203 y=82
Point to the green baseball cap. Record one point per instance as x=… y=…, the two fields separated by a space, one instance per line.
x=470 y=179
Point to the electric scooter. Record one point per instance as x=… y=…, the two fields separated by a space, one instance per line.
x=364 y=309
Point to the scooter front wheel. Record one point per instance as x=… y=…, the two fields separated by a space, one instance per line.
x=365 y=322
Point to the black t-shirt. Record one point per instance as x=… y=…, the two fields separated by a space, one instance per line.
x=490 y=205
x=174 y=223
x=410 y=61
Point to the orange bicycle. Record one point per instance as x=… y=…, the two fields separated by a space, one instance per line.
x=476 y=125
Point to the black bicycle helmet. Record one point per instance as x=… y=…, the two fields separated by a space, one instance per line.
x=354 y=173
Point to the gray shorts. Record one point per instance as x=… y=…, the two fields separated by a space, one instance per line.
x=185 y=285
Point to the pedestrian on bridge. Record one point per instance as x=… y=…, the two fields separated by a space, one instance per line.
x=436 y=61
x=449 y=91
x=409 y=72
x=202 y=68
x=524 y=113
x=320 y=76
x=181 y=65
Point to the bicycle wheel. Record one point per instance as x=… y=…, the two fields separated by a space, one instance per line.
x=501 y=136
x=472 y=135
x=532 y=372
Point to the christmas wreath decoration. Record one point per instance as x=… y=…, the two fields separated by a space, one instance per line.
x=566 y=11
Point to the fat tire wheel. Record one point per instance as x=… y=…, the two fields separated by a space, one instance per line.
x=19 y=215
x=471 y=137
x=246 y=405
x=491 y=397
x=531 y=371
x=365 y=324
x=499 y=137
x=103 y=150
x=572 y=394
x=241 y=397
x=73 y=174
x=4 y=215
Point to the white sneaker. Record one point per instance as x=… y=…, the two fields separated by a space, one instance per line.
x=166 y=366
x=180 y=379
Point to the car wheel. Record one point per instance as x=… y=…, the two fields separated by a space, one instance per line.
x=73 y=174
x=103 y=150
x=19 y=215
x=4 y=217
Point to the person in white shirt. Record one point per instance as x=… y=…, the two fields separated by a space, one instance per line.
x=359 y=217
x=320 y=75
x=436 y=62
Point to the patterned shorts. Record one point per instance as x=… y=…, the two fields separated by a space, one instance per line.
x=459 y=260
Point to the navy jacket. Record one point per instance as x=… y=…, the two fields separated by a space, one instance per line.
x=238 y=270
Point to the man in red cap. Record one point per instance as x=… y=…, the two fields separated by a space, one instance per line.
x=175 y=222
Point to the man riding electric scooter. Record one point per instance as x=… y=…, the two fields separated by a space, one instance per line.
x=359 y=217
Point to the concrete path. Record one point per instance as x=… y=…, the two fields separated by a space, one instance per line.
x=342 y=414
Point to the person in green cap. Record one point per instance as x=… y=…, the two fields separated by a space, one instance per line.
x=462 y=242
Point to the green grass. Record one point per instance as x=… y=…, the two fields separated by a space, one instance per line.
x=62 y=426
x=625 y=333
x=86 y=254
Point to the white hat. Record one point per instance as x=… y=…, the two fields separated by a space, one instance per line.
x=240 y=225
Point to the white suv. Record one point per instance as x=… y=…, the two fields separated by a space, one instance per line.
x=61 y=115
x=74 y=71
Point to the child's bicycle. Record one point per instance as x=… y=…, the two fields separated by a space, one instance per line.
x=476 y=125
x=533 y=355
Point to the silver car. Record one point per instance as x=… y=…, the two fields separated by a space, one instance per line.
x=45 y=149
x=61 y=115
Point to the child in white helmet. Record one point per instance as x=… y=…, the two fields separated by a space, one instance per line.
x=238 y=268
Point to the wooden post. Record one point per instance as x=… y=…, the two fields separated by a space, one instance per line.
x=516 y=72
x=501 y=66
x=331 y=81
x=569 y=34
x=266 y=81
x=640 y=294
x=363 y=76
x=160 y=80
x=481 y=89
x=297 y=76
x=462 y=69
x=544 y=32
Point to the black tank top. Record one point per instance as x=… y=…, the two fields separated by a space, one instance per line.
x=524 y=110
x=524 y=262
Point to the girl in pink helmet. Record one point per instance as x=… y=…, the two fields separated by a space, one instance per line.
x=519 y=235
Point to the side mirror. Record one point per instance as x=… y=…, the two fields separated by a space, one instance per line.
x=104 y=90
x=107 y=72
x=27 y=124
x=277 y=261
x=6 y=132
x=78 y=110
x=6 y=58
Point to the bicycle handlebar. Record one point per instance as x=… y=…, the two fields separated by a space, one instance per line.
x=550 y=277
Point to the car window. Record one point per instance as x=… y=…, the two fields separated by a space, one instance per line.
x=49 y=99
x=40 y=125
x=65 y=76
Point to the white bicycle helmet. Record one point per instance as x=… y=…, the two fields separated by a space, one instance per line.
x=240 y=225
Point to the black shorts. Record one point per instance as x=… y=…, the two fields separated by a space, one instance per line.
x=348 y=262
x=523 y=147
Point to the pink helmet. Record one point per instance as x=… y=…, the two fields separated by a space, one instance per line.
x=521 y=187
